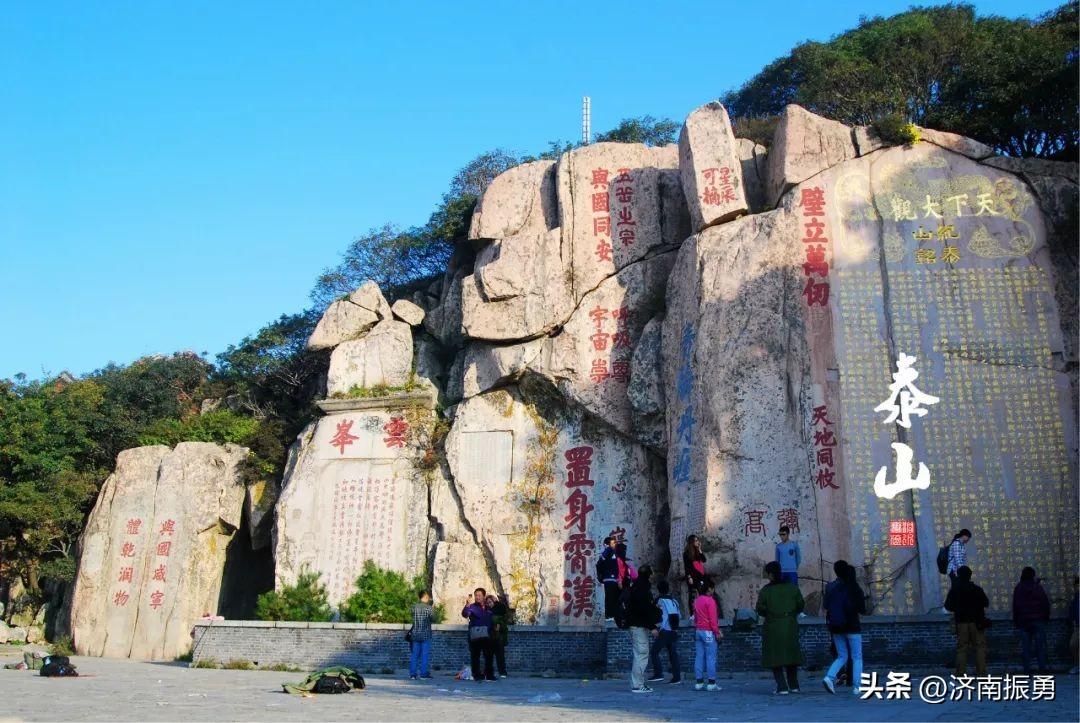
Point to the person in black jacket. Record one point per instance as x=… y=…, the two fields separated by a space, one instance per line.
x=642 y=616
x=844 y=602
x=607 y=572
x=1031 y=612
x=968 y=603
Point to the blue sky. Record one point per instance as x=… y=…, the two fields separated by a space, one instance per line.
x=175 y=175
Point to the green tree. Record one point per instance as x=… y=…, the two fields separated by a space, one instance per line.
x=644 y=129
x=384 y=596
x=304 y=601
x=1008 y=83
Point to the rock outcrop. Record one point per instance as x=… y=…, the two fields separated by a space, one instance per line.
x=153 y=551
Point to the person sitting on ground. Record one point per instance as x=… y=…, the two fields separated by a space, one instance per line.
x=420 y=637
x=1030 y=613
x=779 y=603
x=480 y=634
x=968 y=603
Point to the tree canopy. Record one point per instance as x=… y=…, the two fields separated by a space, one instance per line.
x=1010 y=83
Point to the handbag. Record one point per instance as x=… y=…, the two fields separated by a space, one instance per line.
x=408 y=635
x=478 y=632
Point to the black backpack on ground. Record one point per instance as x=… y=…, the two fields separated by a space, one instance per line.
x=58 y=666
x=943 y=559
x=339 y=683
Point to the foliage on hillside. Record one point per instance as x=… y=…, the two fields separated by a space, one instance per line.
x=1008 y=83
x=384 y=596
x=304 y=601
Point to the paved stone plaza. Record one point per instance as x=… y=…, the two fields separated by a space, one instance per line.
x=111 y=690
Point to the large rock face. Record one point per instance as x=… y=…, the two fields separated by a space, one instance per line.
x=383 y=357
x=804 y=145
x=541 y=485
x=153 y=551
x=711 y=167
x=782 y=331
x=354 y=493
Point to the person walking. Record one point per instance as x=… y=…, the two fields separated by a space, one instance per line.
x=1030 y=613
x=668 y=637
x=968 y=603
x=642 y=617
x=957 y=553
x=480 y=634
x=607 y=572
x=706 y=636
x=500 y=623
x=1074 y=622
x=420 y=637
x=844 y=602
x=780 y=603
x=693 y=560
x=789 y=556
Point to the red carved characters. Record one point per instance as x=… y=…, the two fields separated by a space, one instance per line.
x=578 y=592
x=812 y=201
x=719 y=188
x=395 y=430
x=624 y=194
x=901 y=533
x=824 y=442
x=618 y=366
x=602 y=222
x=754 y=523
x=343 y=438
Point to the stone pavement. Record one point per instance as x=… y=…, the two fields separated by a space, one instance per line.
x=121 y=690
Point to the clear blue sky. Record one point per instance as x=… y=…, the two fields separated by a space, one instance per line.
x=174 y=175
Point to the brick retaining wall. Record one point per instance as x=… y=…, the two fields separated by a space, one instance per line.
x=900 y=642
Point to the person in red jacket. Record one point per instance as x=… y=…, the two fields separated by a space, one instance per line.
x=1030 y=612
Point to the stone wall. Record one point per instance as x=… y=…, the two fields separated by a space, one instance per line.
x=889 y=642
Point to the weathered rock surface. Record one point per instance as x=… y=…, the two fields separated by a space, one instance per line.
x=755 y=172
x=153 y=551
x=488 y=365
x=956 y=143
x=382 y=358
x=590 y=359
x=1033 y=167
x=867 y=140
x=353 y=492
x=541 y=486
x=443 y=321
x=369 y=296
x=343 y=320
x=520 y=200
x=646 y=389
x=804 y=145
x=259 y=501
x=408 y=312
x=610 y=208
x=519 y=290
x=710 y=167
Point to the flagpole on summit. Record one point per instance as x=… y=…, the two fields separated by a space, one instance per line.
x=586 y=120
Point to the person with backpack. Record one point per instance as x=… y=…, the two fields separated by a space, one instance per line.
x=501 y=621
x=780 y=603
x=844 y=602
x=957 y=554
x=968 y=603
x=607 y=572
x=642 y=617
x=420 y=638
x=706 y=637
x=1030 y=613
x=668 y=638
x=481 y=624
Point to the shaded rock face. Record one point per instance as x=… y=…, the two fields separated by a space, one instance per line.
x=154 y=549
x=541 y=486
x=772 y=380
x=353 y=493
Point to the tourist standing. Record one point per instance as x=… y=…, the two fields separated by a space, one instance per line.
x=779 y=603
x=668 y=637
x=957 y=553
x=693 y=560
x=706 y=635
x=607 y=572
x=501 y=621
x=480 y=634
x=844 y=602
x=789 y=556
x=968 y=603
x=1074 y=621
x=642 y=617
x=420 y=637
x=1030 y=613
x=627 y=573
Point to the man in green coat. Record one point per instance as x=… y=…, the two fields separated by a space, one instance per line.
x=780 y=604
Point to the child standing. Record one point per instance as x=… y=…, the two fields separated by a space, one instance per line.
x=706 y=635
